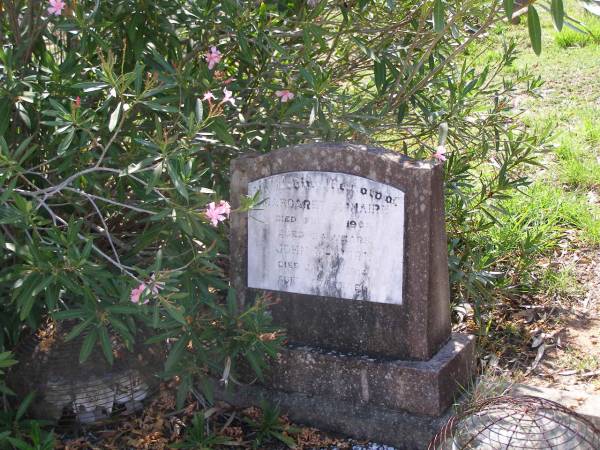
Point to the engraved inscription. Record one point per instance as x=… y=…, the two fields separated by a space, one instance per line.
x=327 y=234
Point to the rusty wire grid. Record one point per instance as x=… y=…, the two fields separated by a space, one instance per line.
x=68 y=393
x=522 y=422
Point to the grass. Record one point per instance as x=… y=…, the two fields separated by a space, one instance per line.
x=571 y=38
x=562 y=205
x=575 y=359
x=565 y=194
x=560 y=283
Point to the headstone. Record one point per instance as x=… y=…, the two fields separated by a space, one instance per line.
x=351 y=243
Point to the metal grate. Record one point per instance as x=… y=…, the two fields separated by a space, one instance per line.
x=69 y=393
x=522 y=422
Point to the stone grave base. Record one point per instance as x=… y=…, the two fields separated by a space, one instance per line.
x=394 y=402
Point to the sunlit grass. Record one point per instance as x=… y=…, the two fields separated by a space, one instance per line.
x=572 y=38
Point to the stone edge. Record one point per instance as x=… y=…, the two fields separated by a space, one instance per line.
x=420 y=387
x=384 y=426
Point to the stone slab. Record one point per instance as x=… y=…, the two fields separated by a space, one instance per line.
x=415 y=329
x=583 y=403
x=421 y=387
x=327 y=234
x=402 y=430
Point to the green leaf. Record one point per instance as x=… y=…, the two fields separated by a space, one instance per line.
x=24 y=406
x=106 y=345
x=177 y=181
x=509 y=7
x=124 y=309
x=176 y=353
x=69 y=314
x=77 y=329
x=402 y=110
x=379 y=69
x=174 y=312
x=87 y=346
x=5 y=106
x=90 y=86
x=26 y=296
x=308 y=77
x=439 y=21
x=160 y=108
x=558 y=13
x=535 y=29
x=255 y=364
x=114 y=117
x=66 y=142
x=6 y=360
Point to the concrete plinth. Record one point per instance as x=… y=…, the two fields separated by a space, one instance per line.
x=394 y=402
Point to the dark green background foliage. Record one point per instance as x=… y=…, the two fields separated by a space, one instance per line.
x=109 y=155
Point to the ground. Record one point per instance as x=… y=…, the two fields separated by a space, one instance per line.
x=560 y=325
x=556 y=329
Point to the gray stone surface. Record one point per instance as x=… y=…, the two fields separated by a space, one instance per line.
x=422 y=387
x=370 y=352
x=362 y=421
x=415 y=329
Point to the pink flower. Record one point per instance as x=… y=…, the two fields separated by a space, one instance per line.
x=228 y=97
x=218 y=213
x=225 y=207
x=137 y=292
x=56 y=7
x=153 y=287
x=440 y=153
x=208 y=96
x=213 y=57
x=285 y=95
x=77 y=103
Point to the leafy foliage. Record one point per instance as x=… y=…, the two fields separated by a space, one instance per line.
x=118 y=121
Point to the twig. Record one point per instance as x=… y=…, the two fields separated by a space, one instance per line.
x=121 y=267
x=108 y=200
x=106 y=232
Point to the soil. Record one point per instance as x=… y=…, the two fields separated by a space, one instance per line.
x=571 y=360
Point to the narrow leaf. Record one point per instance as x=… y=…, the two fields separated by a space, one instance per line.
x=535 y=29
x=558 y=13
x=439 y=21
x=379 y=69
x=106 y=345
x=509 y=7
x=176 y=353
x=24 y=406
x=87 y=346
x=114 y=118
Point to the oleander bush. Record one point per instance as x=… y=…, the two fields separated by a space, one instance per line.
x=118 y=120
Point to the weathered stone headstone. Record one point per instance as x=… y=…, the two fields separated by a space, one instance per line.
x=351 y=242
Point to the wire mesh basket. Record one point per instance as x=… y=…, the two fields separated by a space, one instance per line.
x=522 y=422
x=69 y=393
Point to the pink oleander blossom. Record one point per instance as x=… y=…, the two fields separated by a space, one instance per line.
x=213 y=57
x=56 y=7
x=225 y=207
x=137 y=292
x=208 y=96
x=440 y=153
x=217 y=213
x=153 y=287
x=228 y=98
x=285 y=95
